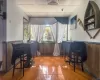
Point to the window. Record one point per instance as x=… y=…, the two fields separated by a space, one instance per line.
x=65 y=34
x=48 y=35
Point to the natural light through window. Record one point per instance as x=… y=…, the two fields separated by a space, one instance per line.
x=65 y=34
x=48 y=35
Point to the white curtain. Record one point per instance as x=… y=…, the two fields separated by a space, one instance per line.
x=37 y=32
x=53 y=28
x=61 y=29
x=40 y=32
x=34 y=32
x=56 y=50
x=56 y=47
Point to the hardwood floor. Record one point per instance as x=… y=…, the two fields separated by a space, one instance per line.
x=49 y=68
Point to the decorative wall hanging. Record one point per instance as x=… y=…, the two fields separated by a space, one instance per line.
x=73 y=22
x=81 y=24
x=92 y=16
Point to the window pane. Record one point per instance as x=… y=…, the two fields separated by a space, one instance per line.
x=48 y=35
x=65 y=34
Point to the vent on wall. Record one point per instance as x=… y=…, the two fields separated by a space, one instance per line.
x=52 y=2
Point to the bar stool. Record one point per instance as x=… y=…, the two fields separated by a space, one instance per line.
x=63 y=49
x=0 y=63
x=66 y=49
x=17 y=54
x=78 y=53
x=21 y=65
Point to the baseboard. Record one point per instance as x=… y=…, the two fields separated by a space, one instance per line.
x=91 y=74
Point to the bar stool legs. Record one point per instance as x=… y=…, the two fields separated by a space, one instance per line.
x=74 y=58
x=13 y=70
x=82 y=66
x=21 y=65
x=20 y=62
x=74 y=63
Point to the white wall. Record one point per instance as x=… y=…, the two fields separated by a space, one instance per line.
x=14 y=21
x=79 y=34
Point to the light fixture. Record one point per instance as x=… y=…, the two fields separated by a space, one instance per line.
x=53 y=2
x=47 y=25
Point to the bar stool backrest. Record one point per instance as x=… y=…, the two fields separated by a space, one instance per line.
x=16 y=52
x=80 y=48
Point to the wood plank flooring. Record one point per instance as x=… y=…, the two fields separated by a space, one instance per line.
x=49 y=68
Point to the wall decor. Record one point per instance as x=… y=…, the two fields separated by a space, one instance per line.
x=91 y=37
x=80 y=22
x=92 y=16
x=73 y=23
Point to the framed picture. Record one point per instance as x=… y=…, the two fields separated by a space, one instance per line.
x=73 y=23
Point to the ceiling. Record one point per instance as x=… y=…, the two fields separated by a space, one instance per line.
x=48 y=8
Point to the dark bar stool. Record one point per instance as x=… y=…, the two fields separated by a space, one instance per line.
x=0 y=63
x=65 y=48
x=17 y=54
x=78 y=53
x=62 y=50
x=21 y=65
